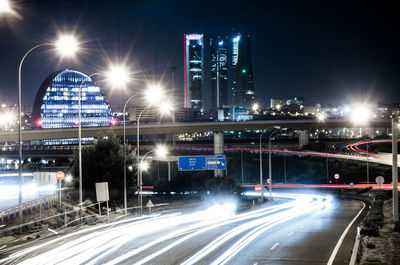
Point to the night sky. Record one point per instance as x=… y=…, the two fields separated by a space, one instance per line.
x=332 y=51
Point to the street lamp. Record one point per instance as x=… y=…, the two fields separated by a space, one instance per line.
x=63 y=48
x=161 y=151
x=114 y=76
x=5 y=7
x=261 y=176
x=153 y=95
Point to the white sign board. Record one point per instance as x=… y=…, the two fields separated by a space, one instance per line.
x=102 y=192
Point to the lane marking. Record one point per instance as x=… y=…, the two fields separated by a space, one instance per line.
x=339 y=243
x=51 y=230
x=274 y=246
x=291 y=233
x=3 y=247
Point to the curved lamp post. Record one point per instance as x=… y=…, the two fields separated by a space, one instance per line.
x=116 y=76
x=161 y=151
x=66 y=45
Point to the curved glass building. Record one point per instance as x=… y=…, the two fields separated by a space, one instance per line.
x=56 y=103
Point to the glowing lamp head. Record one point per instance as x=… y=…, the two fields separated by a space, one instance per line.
x=68 y=178
x=144 y=165
x=166 y=108
x=161 y=151
x=361 y=114
x=321 y=116
x=154 y=94
x=67 y=45
x=5 y=6
x=118 y=76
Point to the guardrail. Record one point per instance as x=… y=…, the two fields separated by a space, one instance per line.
x=14 y=211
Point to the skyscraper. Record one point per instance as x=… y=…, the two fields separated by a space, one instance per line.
x=219 y=74
x=193 y=71
x=242 y=83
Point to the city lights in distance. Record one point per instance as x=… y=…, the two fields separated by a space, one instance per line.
x=255 y=107
x=67 y=45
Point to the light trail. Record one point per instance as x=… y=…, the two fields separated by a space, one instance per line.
x=110 y=243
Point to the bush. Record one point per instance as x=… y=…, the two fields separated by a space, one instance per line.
x=397 y=226
x=374 y=220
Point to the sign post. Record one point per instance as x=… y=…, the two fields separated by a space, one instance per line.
x=379 y=180
x=149 y=205
x=102 y=194
x=336 y=176
x=59 y=176
x=195 y=163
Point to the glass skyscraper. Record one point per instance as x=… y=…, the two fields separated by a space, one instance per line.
x=56 y=103
x=219 y=74
x=242 y=72
x=193 y=70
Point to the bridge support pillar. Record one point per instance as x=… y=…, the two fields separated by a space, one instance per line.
x=304 y=138
x=218 y=150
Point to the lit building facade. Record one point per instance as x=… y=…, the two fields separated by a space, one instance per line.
x=193 y=70
x=219 y=74
x=56 y=103
x=242 y=72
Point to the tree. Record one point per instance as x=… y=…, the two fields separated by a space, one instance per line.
x=103 y=162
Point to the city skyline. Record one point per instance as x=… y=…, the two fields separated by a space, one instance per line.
x=296 y=51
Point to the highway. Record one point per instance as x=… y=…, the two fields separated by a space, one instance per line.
x=188 y=127
x=295 y=229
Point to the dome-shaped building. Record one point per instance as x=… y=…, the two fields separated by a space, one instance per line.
x=56 y=103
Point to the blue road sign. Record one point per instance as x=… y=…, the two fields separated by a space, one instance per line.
x=188 y=163
x=191 y=163
x=216 y=162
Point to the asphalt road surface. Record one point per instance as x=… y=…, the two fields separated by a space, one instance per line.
x=296 y=229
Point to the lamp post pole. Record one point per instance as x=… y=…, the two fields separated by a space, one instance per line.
x=395 y=171
x=21 y=180
x=140 y=181
x=270 y=164
x=261 y=171
x=125 y=187
x=80 y=137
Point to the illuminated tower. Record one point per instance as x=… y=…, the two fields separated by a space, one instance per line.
x=193 y=71
x=219 y=74
x=242 y=72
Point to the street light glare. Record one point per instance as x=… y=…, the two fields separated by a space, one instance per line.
x=166 y=108
x=144 y=165
x=5 y=6
x=118 y=76
x=321 y=116
x=154 y=94
x=361 y=114
x=161 y=151
x=67 y=45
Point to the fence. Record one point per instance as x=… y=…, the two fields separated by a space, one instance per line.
x=14 y=211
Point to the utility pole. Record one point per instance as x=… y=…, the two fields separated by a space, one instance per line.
x=241 y=163
x=173 y=69
x=367 y=165
x=395 y=171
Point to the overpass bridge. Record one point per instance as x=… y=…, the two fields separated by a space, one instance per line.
x=174 y=128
